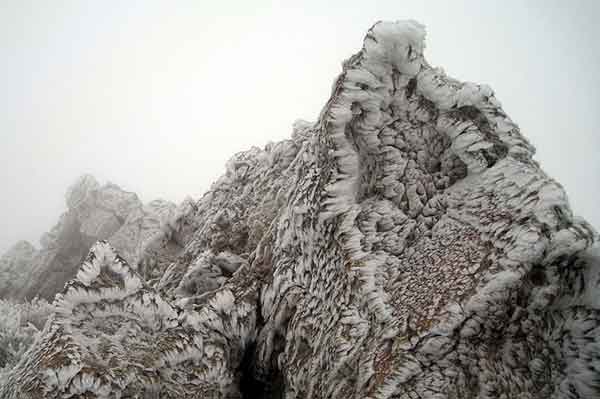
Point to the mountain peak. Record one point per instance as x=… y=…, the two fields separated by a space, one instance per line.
x=404 y=245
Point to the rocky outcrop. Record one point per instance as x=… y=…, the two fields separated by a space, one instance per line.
x=406 y=245
x=113 y=336
x=94 y=213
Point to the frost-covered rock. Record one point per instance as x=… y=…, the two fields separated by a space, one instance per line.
x=406 y=245
x=94 y=213
x=114 y=337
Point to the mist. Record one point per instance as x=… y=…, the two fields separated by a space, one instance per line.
x=155 y=96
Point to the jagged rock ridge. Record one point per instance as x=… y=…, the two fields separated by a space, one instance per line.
x=94 y=213
x=405 y=245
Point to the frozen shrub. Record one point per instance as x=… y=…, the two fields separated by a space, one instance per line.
x=20 y=324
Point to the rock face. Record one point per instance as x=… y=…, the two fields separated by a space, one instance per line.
x=94 y=213
x=406 y=245
x=113 y=336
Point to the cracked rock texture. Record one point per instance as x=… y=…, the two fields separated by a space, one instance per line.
x=406 y=245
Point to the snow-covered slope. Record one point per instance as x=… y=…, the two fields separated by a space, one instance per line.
x=406 y=245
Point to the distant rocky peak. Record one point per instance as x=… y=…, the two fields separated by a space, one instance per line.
x=81 y=190
x=94 y=212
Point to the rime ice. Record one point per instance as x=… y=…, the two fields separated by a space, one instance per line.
x=405 y=245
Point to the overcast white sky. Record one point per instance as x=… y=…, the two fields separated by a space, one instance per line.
x=156 y=95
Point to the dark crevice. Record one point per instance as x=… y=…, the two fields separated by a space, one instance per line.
x=537 y=276
x=411 y=87
x=256 y=381
x=253 y=386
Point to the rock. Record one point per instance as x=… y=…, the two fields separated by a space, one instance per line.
x=406 y=245
x=94 y=213
x=80 y=192
x=113 y=336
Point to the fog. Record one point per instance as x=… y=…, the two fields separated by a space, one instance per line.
x=155 y=96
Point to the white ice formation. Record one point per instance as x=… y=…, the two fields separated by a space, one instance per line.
x=406 y=245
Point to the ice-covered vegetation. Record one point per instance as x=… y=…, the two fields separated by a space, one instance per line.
x=20 y=325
